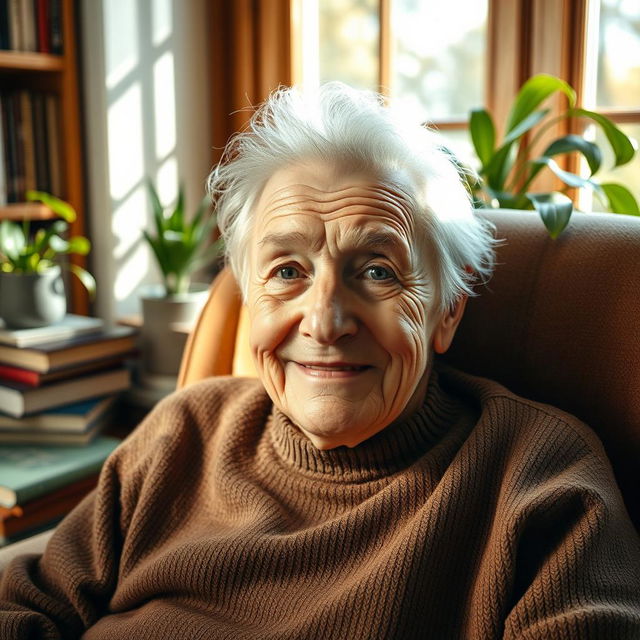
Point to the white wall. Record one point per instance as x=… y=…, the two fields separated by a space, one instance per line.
x=145 y=73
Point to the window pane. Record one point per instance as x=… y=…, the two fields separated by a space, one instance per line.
x=348 y=42
x=439 y=56
x=627 y=175
x=618 y=72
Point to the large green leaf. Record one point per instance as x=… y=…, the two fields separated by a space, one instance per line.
x=555 y=209
x=621 y=200
x=176 y=220
x=483 y=134
x=85 y=277
x=526 y=125
x=157 y=208
x=499 y=167
x=533 y=93
x=620 y=144
x=59 y=207
x=570 y=179
x=572 y=143
x=12 y=239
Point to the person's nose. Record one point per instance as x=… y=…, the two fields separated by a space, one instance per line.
x=328 y=315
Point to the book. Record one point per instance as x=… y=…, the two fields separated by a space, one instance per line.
x=76 y=417
x=52 y=355
x=28 y=472
x=55 y=438
x=48 y=508
x=52 y=125
x=18 y=400
x=4 y=24
x=36 y=379
x=70 y=326
x=3 y=172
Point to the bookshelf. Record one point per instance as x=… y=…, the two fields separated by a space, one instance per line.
x=56 y=74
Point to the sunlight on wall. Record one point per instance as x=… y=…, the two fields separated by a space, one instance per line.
x=141 y=131
x=167 y=180
x=125 y=131
x=137 y=262
x=130 y=215
x=164 y=105
x=120 y=38
x=161 y=20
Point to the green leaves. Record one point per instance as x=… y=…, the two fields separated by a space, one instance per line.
x=179 y=246
x=61 y=208
x=620 y=143
x=509 y=166
x=555 y=209
x=620 y=199
x=532 y=93
x=483 y=134
x=22 y=254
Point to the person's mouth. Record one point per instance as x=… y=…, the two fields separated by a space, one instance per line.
x=332 y=369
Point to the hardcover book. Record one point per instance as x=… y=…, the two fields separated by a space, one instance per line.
x=70 y=326
x=52 y=355
x=27 y=472
x=71 y=418
x=19 y=400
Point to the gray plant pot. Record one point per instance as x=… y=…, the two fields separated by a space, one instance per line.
x=29 y=300
x=165 y=321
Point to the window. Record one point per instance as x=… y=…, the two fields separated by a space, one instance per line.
x=441 y=59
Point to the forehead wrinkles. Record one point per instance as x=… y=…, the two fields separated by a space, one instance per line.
x=389 y=204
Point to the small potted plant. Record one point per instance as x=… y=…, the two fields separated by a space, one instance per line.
x=181 y=246
x=31 y=285
x=509 y=166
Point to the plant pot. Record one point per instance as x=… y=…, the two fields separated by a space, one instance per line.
x=29 y=300
x=166 y=322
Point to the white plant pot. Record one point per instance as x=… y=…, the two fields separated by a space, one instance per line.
x=29 y=300
x=166 y=321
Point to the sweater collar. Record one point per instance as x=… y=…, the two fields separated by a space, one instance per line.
x=392 y=449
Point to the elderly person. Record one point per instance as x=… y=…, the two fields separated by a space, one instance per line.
x=356 y=490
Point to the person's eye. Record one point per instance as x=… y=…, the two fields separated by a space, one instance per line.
x=288 y=273
x=379 y=273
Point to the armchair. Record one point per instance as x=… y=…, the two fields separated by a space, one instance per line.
x=559 y=323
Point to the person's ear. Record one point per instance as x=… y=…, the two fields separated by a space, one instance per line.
x=447 y=325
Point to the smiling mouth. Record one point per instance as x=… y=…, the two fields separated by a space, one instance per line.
x=332 y=370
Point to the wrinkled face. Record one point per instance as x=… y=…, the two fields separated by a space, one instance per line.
x=339 y=303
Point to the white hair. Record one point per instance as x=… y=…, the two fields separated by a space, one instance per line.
x=341 y=125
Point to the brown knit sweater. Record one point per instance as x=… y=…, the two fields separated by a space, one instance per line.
x=483 y=516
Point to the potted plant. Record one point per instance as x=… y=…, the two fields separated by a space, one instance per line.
x=31 y=285
x=509 y=166
x=181 y=246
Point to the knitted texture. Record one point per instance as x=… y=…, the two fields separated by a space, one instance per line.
x=482 y=516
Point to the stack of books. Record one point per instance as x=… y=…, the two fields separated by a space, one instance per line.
x=31 y=25
x=58 y=383
x=40 y=485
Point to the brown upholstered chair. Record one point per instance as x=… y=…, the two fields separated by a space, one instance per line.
x=559 y=322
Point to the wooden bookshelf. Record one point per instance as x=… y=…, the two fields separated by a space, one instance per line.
x=26 y=211
x=56 y=74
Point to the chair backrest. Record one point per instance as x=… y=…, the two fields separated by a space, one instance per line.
x=559 y=322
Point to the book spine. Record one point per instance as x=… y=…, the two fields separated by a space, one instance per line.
x=42 y=20
x=40 y=141
x=4 y=24
x=28 y=140
x=52 y=127
x=24 y=376
x=19 y=175
x=15 y=29
x=28 y=25
x=45 y=486
x=55 y=27
x=3 y=167
x=6 y=110
x=11 y=141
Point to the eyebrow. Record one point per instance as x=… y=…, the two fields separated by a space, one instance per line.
x=372 y=239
